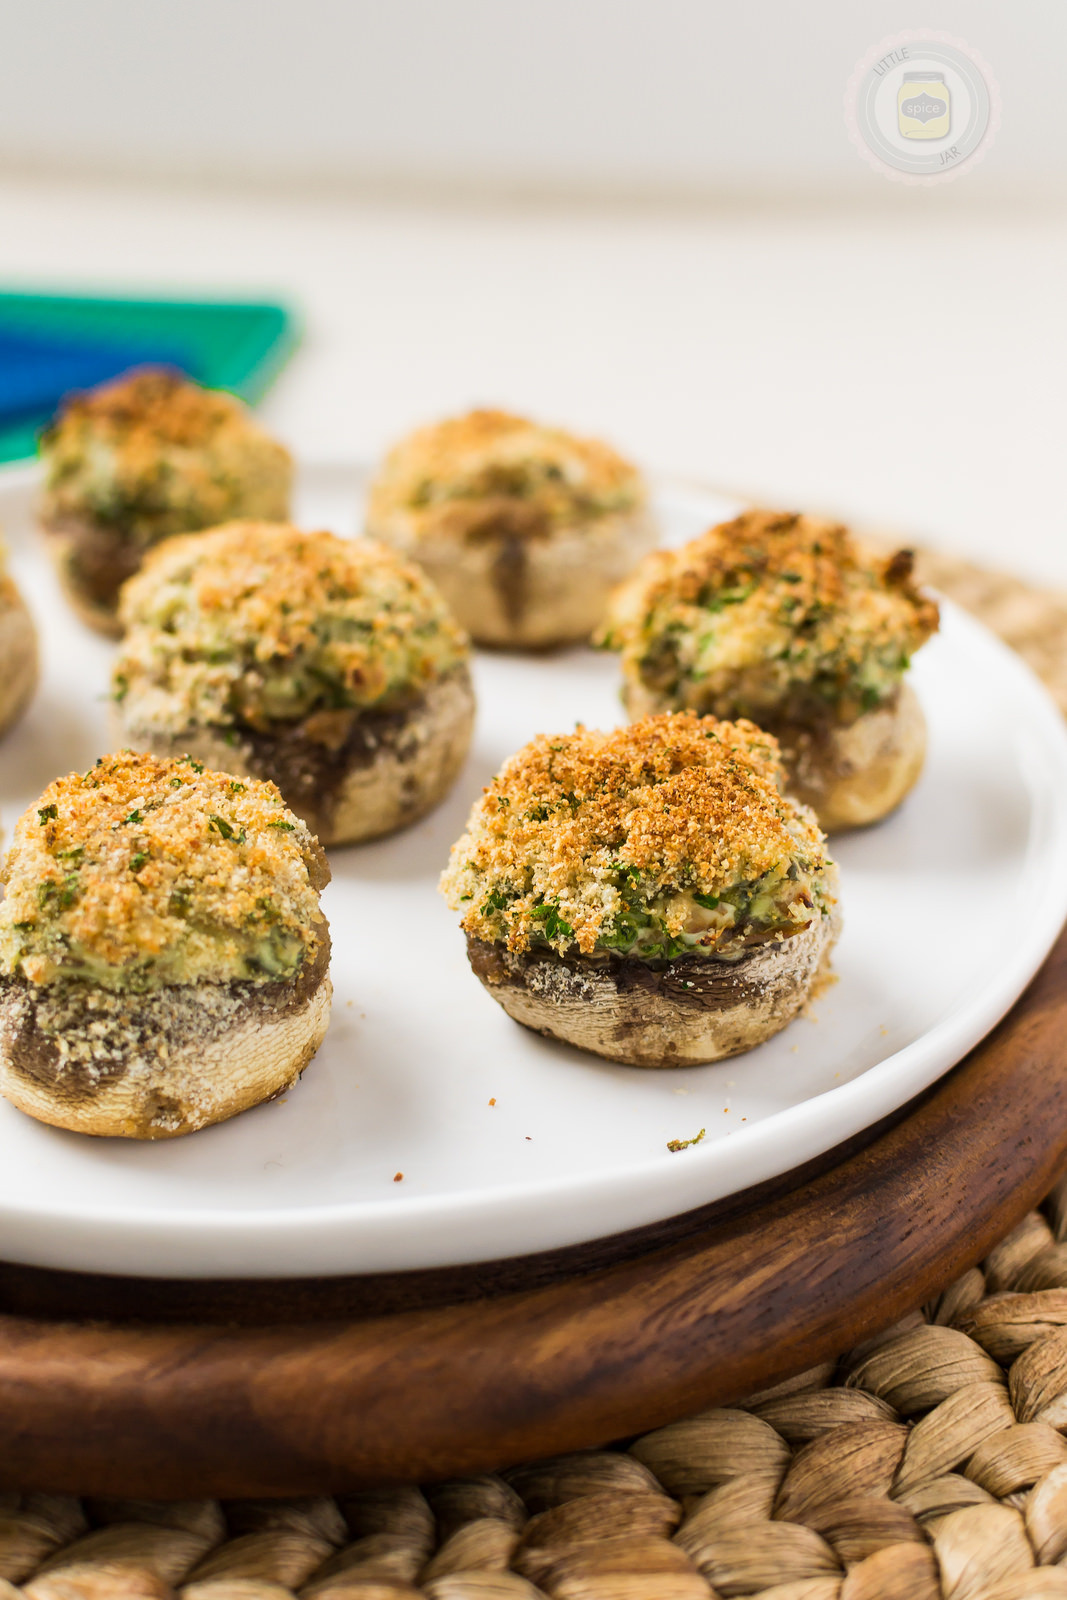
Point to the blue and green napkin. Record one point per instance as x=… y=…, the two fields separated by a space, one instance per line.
x=52 y=344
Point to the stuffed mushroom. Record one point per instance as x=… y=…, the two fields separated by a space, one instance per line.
x=164 y=962
x=524 y=529
x=647 y=894
x=784 y=619
x=139 y=459
x=328 y=665
x=19 y=658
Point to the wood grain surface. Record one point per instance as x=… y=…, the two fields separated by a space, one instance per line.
x=477 y=1379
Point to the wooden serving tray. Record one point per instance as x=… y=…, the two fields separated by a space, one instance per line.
x=164 y=1389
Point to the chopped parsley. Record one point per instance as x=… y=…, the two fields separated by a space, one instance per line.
x=64 y=894
x=683 y=1144
x=556 y=927
x=228 y=830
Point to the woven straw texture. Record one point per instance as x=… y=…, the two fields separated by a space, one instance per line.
x=929 y=1463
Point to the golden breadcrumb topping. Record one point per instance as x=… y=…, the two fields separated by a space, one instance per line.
x=773 y=615
x=142 y=873
x=255 y=623
x=152 y=454
x=666 y=836
x=486 y=472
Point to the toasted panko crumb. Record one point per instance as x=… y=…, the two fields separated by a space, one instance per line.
x=151 y=406
x=467 y=473
x=771 y=615
x=578 y=830
x=142 y=872
x=152 y=454
x=261 y=622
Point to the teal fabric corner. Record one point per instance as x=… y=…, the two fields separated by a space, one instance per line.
x=235 y=345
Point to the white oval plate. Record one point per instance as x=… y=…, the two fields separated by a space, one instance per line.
x=508 y=1143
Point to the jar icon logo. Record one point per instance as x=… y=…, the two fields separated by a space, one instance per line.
x=924 y=106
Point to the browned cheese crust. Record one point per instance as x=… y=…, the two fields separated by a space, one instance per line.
x=787 y=620
x=329 y=666
x=138 y=460
x=524 y=529
x=850 y=774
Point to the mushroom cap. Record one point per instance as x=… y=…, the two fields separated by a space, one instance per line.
x=351 y=776
x=19 y=658
x=511 y=592
x=159 y=1064
x=677 y=1014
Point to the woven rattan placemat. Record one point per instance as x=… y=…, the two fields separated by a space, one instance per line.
x=929 y=1463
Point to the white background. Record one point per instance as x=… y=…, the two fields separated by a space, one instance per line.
x=643 y=219
x=631 y=96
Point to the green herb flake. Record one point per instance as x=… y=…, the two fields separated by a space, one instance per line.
x=134 y=816
x=708 y=901
x=138 y=860
x=228 y=830
x=286 y=827
x=64 y=893
x=47 y=814
x=683 y=1144
x=556 y=927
